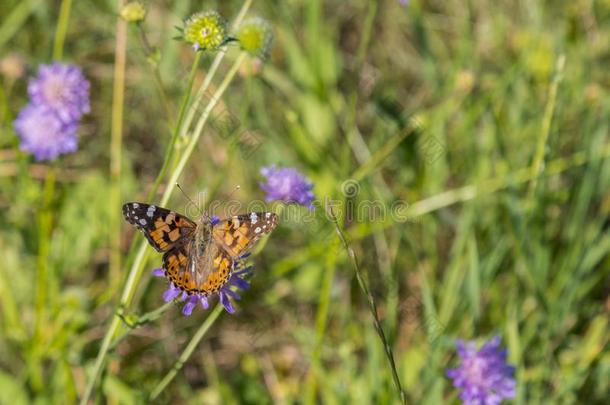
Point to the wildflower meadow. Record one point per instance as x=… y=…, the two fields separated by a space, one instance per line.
x=304 y=202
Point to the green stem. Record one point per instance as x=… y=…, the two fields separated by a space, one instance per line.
x=209 y=321
x=45 y=229
x=140 y=321
x=154 y=64
x=14 y=21
x=62 y=28
x=321 y=320
x=202 y=90
x=199 y=128
x=181 y=128
x=42 y=277
x=212 y=71
x=178 y=127
x=537 y=163
x=372 y=306
x=116 y=142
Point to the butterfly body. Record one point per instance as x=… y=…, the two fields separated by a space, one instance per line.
x=199 y=257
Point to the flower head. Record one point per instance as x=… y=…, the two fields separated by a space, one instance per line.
x=206 y=30
x=63 y=89
x=288 y=185
x=133 y=12
x=225 y=293
x=255 y=36
x=484 y=377
x=44 y=134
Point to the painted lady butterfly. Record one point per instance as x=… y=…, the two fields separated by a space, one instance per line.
x=198 y=257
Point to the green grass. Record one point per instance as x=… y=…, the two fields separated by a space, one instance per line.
x=475 y=133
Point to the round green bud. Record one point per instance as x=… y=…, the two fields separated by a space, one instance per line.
x=255 y=36
x=133 y=12
x=206 y=30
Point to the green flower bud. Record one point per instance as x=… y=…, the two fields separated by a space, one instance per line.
x=133 y=12
x=255 y=36
x=205 y=30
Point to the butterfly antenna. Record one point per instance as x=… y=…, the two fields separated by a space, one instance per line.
x=236 y=189
x=191 y=201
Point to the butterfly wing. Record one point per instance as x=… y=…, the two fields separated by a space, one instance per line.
x=163 y=228
x=193 y=274
x=237 y=235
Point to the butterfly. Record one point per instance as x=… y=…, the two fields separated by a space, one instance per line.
x=199 y=257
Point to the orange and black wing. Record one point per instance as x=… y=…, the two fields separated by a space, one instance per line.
x=163 y=228
x=178 y=267
x=237 y=235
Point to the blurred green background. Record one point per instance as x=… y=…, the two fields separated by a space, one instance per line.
x=480 y=127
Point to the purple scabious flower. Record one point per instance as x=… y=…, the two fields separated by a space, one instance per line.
x=44 y=134
x=225 y=294
x=288 y=185
x=63 y=89
x=483 y=376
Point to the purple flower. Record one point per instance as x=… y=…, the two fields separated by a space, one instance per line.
x=63 y=89
x=43 y=134
x=288 y=185
x=404 y=2
x=225 y=293
x=483 y=377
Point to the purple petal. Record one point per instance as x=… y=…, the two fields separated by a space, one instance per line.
x=239 y=282
x=204 y=302
x=231 y=293
x=63 y=89
x=171 y=293
x=226 y=302
x=288 y=185
x=44 y=134
x=158 y=272
x=187 y=309
x=244 y=271
x=483 y=376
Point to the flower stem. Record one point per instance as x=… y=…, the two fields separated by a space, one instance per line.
x=538 y=160
x=199 y=128
x=372 y=305
x=177 y=128
x=151 y=57
x=209 y=321
x=321 y=321
x=45 y=225
x=116 y=142
x=212 y=71
x=45 y=228
x=62 y=28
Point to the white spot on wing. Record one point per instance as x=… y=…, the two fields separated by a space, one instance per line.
x=150 y=211
x=268 y=215
x=254 y=218
x=143 y=221
x=136 y=205
x=257 y=230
